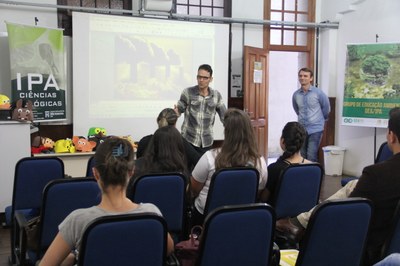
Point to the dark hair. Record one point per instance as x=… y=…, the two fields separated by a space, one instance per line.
x=114 y=161
x=167 y=117
x=293 y=135
x=394 y=121
x=166 y=152
x=206 y=68
x=393 y=111
x=306 y=69
x=239 y=147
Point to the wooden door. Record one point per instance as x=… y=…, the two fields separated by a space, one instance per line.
x=256 y=93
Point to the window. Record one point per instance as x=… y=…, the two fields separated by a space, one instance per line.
x=211 y=8
x=65 y=16
x=290 y=37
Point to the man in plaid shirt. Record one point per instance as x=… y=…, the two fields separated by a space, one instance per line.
x=200 y=104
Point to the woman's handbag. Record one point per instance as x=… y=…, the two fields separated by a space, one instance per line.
x=187 y=251
x=32 y=233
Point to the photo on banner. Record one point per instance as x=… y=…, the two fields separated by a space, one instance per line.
x=37 y=70
x=371 y=84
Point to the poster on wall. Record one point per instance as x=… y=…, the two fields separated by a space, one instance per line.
x=37 y=70
x=371 y=84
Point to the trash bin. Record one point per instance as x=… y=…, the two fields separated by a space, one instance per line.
x=333 y=160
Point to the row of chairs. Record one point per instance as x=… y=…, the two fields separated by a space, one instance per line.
x=60 y=198
x=229 y=187
x=30 y=178
x=233 y=235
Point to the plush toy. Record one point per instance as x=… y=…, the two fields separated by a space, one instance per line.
x=82 y=144
x=4 y=102
x=64 y=146
x=22 y=110
x=42 y=145
x=98 y=135
x=129 y=138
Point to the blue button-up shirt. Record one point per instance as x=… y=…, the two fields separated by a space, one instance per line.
x=312 y=108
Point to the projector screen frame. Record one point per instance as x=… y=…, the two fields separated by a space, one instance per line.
x=132 y=127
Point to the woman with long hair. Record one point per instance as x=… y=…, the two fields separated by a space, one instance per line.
x=113 y=168
x=168 y=117
x=291 y=141
x=238 y=149
x=165 y=153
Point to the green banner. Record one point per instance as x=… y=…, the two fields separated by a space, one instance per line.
x=372 y=83
x=37 y=70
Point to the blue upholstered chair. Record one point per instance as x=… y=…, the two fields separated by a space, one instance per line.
x=119 y=240
x=232 y=186
x=60 y=198
x=392 y=244
x=30 y=177
x=166 y=191
x=90 y=164
x=384 y=153
x=238 y=235
x=335 y=235
x=298 y=189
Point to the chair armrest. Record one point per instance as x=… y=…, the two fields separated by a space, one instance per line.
x=20 y=223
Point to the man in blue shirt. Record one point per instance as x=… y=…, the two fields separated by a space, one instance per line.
x=312 y=108
x=200 y=104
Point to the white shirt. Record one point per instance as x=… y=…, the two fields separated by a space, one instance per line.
x=204 y=170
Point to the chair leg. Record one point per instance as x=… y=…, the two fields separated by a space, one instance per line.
x=12 y=259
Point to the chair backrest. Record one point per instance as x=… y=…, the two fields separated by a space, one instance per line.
x=384 y=153
x=336 y=233
x=60 y=198
x=167 y=192
x=31 y=176
x=131 y=239
x=298 y=189
x=232 y=186
x=238 y=235
x=392 y=244
x=90 y=164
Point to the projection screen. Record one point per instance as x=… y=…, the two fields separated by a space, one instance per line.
x=127 y=69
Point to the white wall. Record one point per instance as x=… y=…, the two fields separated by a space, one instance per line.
x=249 y=35
x=359 y=22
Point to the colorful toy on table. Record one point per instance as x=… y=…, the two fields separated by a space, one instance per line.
x=98 y=135
x=4 y=102
x=22 y=110
x=42 y=145
x=83 y=145
x=5 y=107
x=129 y=138
x=64 y=146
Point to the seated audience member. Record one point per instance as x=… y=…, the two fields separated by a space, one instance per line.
x=379 y=183
x=391 y=260
x=114 y=166
x=164 y=154
x=238 y=149
x=168 y=117
x=292 y=139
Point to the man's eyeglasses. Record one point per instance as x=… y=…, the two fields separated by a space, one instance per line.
x=202 y=77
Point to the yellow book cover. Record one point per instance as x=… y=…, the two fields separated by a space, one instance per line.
x=288 y=257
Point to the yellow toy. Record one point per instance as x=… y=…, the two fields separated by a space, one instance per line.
x=64 y=146
x=129 y=138
x=4 y=102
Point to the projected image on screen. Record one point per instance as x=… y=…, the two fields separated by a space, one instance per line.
x=128 y=69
